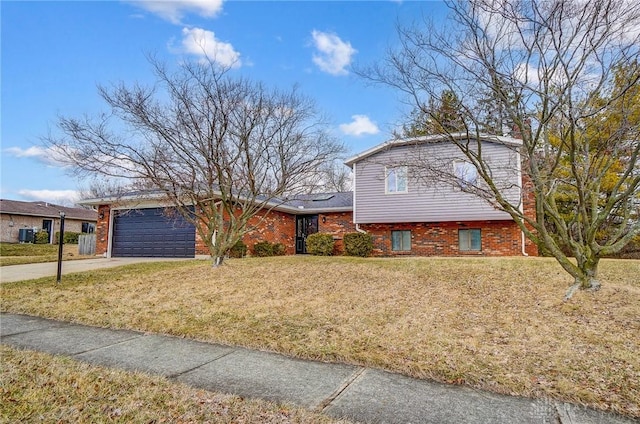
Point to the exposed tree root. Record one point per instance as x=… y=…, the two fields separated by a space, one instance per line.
x=217 y=261
x=594 y=285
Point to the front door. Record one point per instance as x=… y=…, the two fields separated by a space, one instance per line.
x=305 y=225
x=47 y=225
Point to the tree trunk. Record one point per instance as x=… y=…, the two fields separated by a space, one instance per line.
x=587 y=277
x=217 y=261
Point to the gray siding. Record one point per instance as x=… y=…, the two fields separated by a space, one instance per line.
x=429 y=200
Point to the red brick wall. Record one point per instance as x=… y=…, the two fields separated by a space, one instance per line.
x=275 y=227
x=529 y=209
x=201 y=248
x=280 y=227
x=102 y=229
x=499 y=238
x=336 y=224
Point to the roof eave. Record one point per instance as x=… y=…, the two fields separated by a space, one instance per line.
x=303 y=211
x=45 y=215
x=97 y=201
x=279 y=206
x=429 y=139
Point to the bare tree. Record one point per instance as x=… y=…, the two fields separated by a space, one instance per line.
x=100 y=186
x=552 y=70
x=219 y=149
x=330 y=177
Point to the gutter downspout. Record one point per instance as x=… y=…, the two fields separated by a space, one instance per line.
x=524 y=253
x=358 y=229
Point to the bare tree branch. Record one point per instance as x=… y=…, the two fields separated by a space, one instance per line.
x=219 y=148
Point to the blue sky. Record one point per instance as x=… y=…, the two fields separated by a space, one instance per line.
x=54 y=54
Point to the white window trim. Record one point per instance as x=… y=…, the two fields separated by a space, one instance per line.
x=386 y=179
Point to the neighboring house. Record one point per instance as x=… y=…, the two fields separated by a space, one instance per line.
x=405 y=215
x=41 y=216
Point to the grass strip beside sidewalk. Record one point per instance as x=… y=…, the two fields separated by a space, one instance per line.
x=27 y=253
x=37 y=387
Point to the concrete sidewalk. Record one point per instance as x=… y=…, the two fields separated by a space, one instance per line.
x=9 y=274
x=338 y=390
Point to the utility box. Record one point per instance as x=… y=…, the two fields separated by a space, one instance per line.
x=25 y=235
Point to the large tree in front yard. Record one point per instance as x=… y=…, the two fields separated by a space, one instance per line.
x=564 y=75
x=219 y=148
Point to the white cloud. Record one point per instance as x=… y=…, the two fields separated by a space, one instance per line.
x=526 y=74
x=174 y=10
x=333 y=54
x=49 y=156
x=360 y=125
x=60 y=197
x=203 y=43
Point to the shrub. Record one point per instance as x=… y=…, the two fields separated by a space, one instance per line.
x=239 y=250
x=320 y=244
x=279 y=249
x=263 y=249
x=41 y=237
x=358 y=244
x=70 y=237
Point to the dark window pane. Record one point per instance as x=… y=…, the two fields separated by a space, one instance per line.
x=476 y=242
x=401 y=240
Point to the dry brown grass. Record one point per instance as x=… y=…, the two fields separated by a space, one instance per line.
x=491 y=323
x=36 y=388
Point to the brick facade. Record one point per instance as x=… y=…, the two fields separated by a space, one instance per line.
x=337 y=224
x=280 y=227
x=102 y=229
x=529 y=209
x=274 y=227
x=499 y=238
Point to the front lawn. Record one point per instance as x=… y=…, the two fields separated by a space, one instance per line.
x=29 y=253
x=36 y=387
x=491 y=323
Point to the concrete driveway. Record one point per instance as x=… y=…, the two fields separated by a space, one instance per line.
x=9 y=274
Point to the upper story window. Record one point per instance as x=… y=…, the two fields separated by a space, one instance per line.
x=466 y=173
x=396 y=179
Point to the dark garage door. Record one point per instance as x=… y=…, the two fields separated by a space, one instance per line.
x=152 y=233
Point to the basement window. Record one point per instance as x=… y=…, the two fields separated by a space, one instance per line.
x=469 y=240
x=401 y=241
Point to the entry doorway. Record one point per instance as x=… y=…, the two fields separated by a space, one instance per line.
x=47 y=225
x=305 y=226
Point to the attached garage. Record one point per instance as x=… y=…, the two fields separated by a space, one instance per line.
x=152 y=232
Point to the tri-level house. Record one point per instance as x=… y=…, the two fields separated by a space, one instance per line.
x=415 y=197
x=422 y=197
